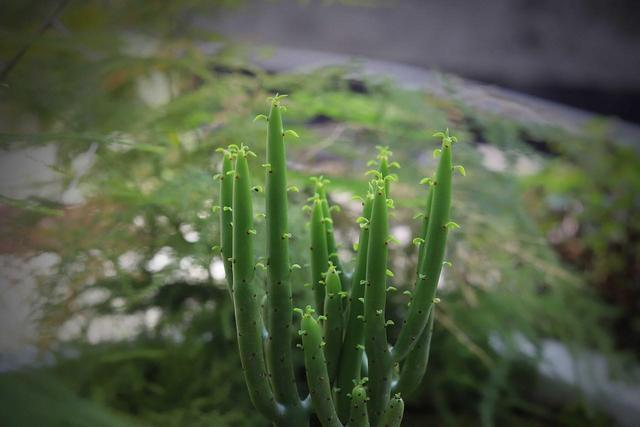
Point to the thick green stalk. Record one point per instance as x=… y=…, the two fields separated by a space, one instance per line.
x=226 y=216
x=383 y=168
x=424 y=228
x=279 y=304
x=393 y=414
x=245 y=294
x=334 y=323
x=433 y=256
x=331 y=240
x=316 y=367
x=415 y=365
x=319 y=255
x=358 y=416
x=353 y=346
x=375 y=300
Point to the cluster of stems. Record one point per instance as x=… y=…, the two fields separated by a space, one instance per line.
x=354 y=376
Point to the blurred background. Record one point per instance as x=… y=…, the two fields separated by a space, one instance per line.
x=113 y=307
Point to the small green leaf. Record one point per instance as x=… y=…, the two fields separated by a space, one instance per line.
x=427 y=181
x=394 y=165
x=451 y=225
x=460 y=169
x=392 y=239
x=362 y=220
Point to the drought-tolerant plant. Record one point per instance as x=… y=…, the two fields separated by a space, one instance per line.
x=353 y=375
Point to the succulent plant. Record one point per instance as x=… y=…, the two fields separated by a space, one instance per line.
x=354 y=376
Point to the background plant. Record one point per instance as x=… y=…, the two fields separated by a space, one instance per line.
x=147 y=198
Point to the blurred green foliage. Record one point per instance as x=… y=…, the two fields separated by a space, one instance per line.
x=37 y=399
x=587 y=200
x=145 y=99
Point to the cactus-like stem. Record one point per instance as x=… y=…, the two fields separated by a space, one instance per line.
x=332 y=248
x=383 y=168
x=375 y=300
x=358 y=416
x=279 y=305
x=245 y=294
x=353 y=346
x=423 y=229
x=334 y=323
x=316 y=367
x=226 y=216
x=415 y=365
x=393 y=414
x=319 y=254
x=432 y=258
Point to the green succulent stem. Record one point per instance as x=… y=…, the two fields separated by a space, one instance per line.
x=432 y=257
x=333 y=326
x=358 y=413
x=415 y=365
x=319 y=254
x=316 y=367
x=332 y=248
x=424 y=227
x=352 y=348
x=279 y=304
x=393 y=414
x=376 y=343
x=226 y=216
x=245 y=295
